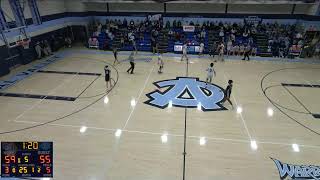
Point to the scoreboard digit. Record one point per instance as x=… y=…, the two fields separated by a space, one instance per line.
x=27 y=159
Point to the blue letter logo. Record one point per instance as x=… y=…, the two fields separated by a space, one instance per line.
x=188 y=93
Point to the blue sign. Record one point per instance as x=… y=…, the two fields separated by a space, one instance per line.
x=187 y=92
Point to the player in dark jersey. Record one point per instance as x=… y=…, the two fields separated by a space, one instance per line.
x=132 y=64
x=228 y=92
x=107 y=73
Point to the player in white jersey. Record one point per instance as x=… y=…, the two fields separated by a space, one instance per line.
x=160 y=63
x=211 y=73
x=184 y=52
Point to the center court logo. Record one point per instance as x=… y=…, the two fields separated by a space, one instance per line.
x=188 y=93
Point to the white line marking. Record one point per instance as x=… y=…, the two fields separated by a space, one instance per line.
x=50 y=93
x=65 y=125
x=39 y=102
x=141 y=91
x=308 y=82
x=244 y=141
x=235 y=100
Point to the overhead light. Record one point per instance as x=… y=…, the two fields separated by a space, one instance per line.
x=170 y=104
x=270 y=112
x=133 y=102
x=239 y=110
x=202 y=141
x=83 y=129
x=199 y=106
x=164 y=138
x=106 y=100
x=254 y=145
x=295 y=148
x=118 y=133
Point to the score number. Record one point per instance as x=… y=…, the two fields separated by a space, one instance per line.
x=12 y=159
x=26 y=170
x=43 y=159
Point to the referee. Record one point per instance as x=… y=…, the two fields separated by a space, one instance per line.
x=247 y=51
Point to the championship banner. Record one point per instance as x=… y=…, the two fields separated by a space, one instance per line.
x=189 y=28
x=252 y=19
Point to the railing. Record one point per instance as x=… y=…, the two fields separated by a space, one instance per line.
x=208 y=1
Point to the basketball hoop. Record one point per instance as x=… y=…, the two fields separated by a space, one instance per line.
x=24 y=43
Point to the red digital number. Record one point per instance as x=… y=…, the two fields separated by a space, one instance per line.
x=8 y=159
x=45 y=159
x=48 y=170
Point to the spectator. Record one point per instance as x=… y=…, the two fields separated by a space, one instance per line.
x=241 y=50
x=168 y=25
x=221 y=51
x=177 y=36
x=221 y=34
x=233 y=37
x=53 y=43
x=38 y=49
x=254 y=51
x=170 y=34
x=245 y=34
x=317 y=50
x=68 y=42
x=121 y=40
x=125 y=22
x=201 y=49
x=203 y=34
x=213 y=50
x=229 y=47
x=174 y=24
x=93 y=43
x=131 y=23
x=46 y=48
x=110 y=35
x=99 y=28
x=236 y=50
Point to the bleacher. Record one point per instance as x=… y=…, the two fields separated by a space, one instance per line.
x=165 y=44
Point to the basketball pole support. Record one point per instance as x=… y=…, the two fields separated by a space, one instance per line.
x=20 y=23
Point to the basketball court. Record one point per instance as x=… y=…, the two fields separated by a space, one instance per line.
x=115 y=134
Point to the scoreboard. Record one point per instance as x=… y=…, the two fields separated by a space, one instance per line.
x=26 y=159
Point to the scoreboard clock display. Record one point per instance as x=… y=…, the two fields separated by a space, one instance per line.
x=26 y=159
